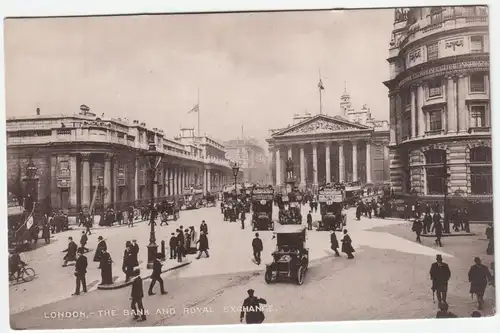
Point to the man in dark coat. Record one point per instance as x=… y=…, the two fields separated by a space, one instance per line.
x=438 y=228
x=440 y=275
x=203 y=227
x=83 y=241
x=80 y=272
x=417 y=228
x=128 y=264
x=243 y=218
x=257 y=248
x=490 y=250
x=70 y=252
x=309 y=221
x=179 y=248
x=156 y=276
x=203 y=245
x=427 y=223
x=46 y=233
x=136 y=296
x=101 y=246
x=334 y=243
x=252 y=309
x=173 y=246
x=347 y=245
x=135 y=252
x=479 y=276
x=130 y=213
x=465 y=220
x=105 y=266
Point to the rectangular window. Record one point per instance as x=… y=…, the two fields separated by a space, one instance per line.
x=477 y=44
x=477 y=83
x=435 y=88
x=435 y=120
x=481 y=180
x=432 y=51
x=478 y=116
x=435 y=180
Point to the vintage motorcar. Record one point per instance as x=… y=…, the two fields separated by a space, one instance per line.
x=262 y=208
x=171 y=209
x=331 y=200
x=210 y=200
x=291 y=257
x=193 y=198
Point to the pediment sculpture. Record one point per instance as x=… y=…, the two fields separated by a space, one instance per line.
x=320 y=126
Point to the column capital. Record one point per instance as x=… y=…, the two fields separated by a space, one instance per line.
x=108 y=156
x=314 y=144
x=85 y=155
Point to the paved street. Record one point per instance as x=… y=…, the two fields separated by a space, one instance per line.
x=400 y=290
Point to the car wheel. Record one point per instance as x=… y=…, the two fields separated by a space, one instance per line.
x=268 y=277
x=300 y=275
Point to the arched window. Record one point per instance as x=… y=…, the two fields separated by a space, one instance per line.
x=481 y=171
x=435 y=173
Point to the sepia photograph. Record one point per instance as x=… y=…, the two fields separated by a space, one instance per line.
x=264 y=167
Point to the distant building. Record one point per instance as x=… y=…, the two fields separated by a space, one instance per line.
x=439 y=90
x=251 y=157
x=351 y=147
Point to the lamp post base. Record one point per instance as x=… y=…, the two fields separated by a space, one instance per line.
x=152 y=253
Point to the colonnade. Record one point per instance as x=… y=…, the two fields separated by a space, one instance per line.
x=280 y=179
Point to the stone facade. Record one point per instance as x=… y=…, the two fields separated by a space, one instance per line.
x=252 y=159
x=83 y=160
x=440 y=105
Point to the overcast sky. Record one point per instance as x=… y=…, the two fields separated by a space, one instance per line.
x=254 y=70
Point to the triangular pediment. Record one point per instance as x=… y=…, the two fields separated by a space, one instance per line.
x=320 y=124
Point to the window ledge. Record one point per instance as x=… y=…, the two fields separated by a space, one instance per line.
x=434 y=132
x=479 y=130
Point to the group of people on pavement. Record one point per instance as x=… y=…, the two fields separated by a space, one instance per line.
x=479 y=277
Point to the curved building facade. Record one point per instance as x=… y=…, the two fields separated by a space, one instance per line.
x=439 y=90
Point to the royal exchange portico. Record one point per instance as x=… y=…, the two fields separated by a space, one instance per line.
x=329 y=149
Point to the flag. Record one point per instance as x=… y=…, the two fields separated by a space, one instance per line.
x=195 y=108
x=320 y=85
x=29 y=222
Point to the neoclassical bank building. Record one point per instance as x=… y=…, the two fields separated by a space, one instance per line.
x=325 y=148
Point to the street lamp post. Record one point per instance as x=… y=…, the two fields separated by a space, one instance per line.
x=154 y=159
x=236 y=169
x=31 y=179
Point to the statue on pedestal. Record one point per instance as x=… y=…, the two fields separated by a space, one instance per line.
x=289 y=168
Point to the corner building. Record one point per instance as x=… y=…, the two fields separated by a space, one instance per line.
x=439 y=92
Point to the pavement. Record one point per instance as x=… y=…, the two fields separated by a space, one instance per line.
x=335 y=288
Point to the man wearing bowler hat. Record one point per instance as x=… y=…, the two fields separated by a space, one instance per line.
x=251 y=307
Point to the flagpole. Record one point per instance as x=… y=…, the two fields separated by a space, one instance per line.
x=198 y=112
x=320 y=99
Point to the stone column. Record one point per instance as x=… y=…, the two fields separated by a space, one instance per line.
x=413 y=112
x=462 y=107
x=136 y=179
x=392 y=118
x=420 y=111
x=278 y=167
x=209 y=180
x=85 y=180
x=73 y=191
x=354 y=161
x=181 y=187
x=205 y=181
x=451 y=105
x=327 y=162
x=341 y=162
x=315 y=163
x=170 y=181
x=368 y=162
x=114 y=182
x=302 y=167
x=107 y=179
x=386 y=162
x=54 y=198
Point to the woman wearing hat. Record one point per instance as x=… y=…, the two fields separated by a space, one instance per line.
x=101 y=246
